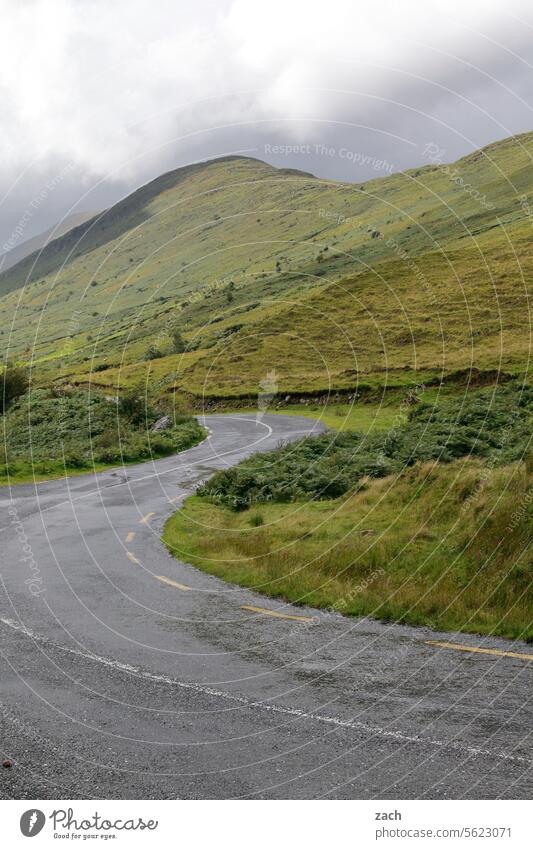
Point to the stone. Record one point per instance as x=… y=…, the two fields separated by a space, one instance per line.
x=162 y=424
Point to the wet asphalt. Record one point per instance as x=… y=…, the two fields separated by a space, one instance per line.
x=117 y=684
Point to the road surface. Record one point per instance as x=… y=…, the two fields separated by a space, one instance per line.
x=127 y=674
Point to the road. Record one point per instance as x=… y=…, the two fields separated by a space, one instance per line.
x=128 y=674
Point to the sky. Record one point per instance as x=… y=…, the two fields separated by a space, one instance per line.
x=98 y=97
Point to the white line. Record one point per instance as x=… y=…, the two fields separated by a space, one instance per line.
x=141 y=479
x=272 y=708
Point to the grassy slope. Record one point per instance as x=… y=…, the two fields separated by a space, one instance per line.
x=356 y=313
x=428 y=522
x=435 y=546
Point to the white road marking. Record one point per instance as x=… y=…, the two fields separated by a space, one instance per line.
x=401 y=737
x=142 y=478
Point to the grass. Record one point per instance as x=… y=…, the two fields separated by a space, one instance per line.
x=429 y=522
x=40 y=471
x=446 y=546
x=315 y=297
x=341 y=417
x=493 y=423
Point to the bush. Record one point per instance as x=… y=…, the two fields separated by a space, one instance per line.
x=15 y=381
x=133 y=404
x=178 y=342
x=493 y=424
x=153 y=353
x=77 y=427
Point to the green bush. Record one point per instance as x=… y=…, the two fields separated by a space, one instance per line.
x=14 y=383
x=79 y=428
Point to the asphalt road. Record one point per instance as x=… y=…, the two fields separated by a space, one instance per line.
x=118 y=684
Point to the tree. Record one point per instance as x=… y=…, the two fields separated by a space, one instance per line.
x=178 y=342
x=230 y=288
x=133 y=404
x=15 y=382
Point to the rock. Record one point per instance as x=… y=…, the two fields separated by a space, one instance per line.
x=7 y=764
x=162 y=424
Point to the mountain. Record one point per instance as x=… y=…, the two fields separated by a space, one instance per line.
x=30 y=246
x=278 y=278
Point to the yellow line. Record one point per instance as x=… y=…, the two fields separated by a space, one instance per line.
x=275 y=613
x=172 y=583
x=132 y=557
x=146 y=518
x=130 y=536
x=460 y=647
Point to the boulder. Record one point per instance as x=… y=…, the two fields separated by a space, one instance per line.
x=162 y=424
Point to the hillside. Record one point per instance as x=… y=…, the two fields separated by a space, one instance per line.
x=329 y=285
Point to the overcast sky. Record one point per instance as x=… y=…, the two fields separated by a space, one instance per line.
x=99 y=97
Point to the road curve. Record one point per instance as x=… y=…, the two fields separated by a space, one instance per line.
x=127 y=674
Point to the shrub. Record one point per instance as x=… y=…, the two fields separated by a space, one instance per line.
x=178 y=343
x=153 y=353
x=489 y=424
x=133 y=404
x=15 y=381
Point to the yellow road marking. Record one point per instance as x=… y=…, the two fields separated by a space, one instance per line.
x=268 y=612
x=173 y=500
x=130 y=536
x=460 y=647
x=146 y=518
x=172 y=583
x=132 y=557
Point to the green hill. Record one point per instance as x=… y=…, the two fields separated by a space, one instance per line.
x=408 y=278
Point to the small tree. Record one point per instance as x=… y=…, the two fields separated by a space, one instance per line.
x=230 y=289
x=153 y=353
x=178 y=342
x=14 y=383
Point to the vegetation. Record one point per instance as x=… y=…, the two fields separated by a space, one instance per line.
x=429 y=522
x=494 y=424
x=398 y=300
x=14 y=383
x=443 y=545
x=417 y=279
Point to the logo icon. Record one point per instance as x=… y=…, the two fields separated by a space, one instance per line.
x=32 y=822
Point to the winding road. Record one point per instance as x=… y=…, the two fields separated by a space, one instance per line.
x=127 y=674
